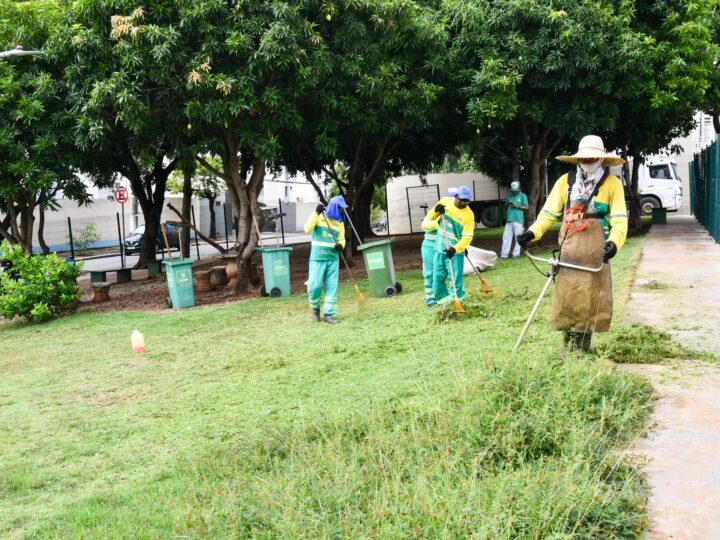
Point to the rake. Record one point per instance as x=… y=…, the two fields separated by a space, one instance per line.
x=358 y=293
x=457 y=306
x=485 y=287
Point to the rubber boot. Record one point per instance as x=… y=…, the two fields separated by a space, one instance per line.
x=577 y=341
x=329 y=319
x=315 y=315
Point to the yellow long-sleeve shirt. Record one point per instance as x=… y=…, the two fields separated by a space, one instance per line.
x=323 y=239
x=460 y=225
x=610 y=196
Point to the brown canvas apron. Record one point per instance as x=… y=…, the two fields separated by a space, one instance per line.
x=582 y=301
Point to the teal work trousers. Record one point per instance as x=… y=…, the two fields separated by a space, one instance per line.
x=427 y=250
x=325 y=273
x=441 y=275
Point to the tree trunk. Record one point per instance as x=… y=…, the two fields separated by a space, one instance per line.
x=635 y=211
x=543 y=183
x=135 y=212
x=27 y=223
x=360 y=215
x=151 y=202
x=515 y=167
x=186 y=206
x=211 y=202
x=534 y=197
x=41 y=232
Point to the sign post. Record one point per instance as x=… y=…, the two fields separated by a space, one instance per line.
x=121 y=196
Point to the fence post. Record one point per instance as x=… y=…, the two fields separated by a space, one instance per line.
x=120 y=238
x=72 y=247
x=282 y=222
x=227 y=245
x=197 y=245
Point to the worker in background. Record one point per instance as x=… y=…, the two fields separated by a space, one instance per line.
x=591 y=203
x=328 y=240
x=427 y=251
x=456 y=225
x=516 y=204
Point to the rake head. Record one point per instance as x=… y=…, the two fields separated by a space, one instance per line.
x=359 y=296
x=485 y=287
x=457 y=307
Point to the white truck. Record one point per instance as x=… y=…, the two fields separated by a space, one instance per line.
x=410 y=197
x=659 y=184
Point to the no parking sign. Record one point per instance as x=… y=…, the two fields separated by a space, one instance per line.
x=121 y=194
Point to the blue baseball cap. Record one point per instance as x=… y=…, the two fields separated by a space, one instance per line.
x=464 y=192
x=339 y=200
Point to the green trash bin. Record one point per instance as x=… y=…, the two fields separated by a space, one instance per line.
x=659 y=216
x=180 y=283
x=380 y=269
x=276 y=268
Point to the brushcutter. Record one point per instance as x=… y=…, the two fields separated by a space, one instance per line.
x=555 y=265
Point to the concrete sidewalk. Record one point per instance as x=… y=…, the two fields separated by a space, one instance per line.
x=683 y=261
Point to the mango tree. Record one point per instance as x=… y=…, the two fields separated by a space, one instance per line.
x=534 y=75
x=35 y=125
x=373 y=98
x=125 y=105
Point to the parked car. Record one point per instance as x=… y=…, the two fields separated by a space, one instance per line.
x=133 y=241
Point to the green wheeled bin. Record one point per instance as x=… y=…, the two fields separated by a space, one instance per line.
x=659 y=216
x=180 y=283
x=276 y=269
x=380 y=269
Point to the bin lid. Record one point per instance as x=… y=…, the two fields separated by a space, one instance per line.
x=369 y=245
x=177 y=262
x=269 y=250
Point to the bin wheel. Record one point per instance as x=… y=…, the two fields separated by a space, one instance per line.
x=263 y=292
x=398 y=287
x=168 y=302
x=390 y=291
x=275 y=292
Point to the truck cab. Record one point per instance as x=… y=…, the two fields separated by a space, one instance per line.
x=659 y=185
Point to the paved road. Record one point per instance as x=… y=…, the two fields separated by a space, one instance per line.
x=684 y=468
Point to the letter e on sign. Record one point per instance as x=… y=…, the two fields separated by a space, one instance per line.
x=121 y=195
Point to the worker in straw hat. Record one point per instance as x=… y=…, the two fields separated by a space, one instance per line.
x=591 y=204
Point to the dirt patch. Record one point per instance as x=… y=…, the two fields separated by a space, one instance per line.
x=149 y=294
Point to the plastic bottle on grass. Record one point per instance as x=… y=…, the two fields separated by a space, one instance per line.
x=138 y=342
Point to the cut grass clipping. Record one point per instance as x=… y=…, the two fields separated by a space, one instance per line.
x=474 y=307
x=655 y=285
x=643 y=344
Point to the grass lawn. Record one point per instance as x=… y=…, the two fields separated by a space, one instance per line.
x=247 y=420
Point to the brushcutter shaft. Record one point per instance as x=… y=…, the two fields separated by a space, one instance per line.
x=557 y=262
x=533 y=312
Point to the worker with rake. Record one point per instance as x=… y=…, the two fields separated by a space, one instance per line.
x=328 y=240
x=455 y=227
x=591 y=203
x=427 y=251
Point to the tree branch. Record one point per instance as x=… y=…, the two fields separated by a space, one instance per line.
x=202 y=161
x=187 y=223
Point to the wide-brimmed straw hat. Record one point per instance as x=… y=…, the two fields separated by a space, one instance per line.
x=592 y=147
